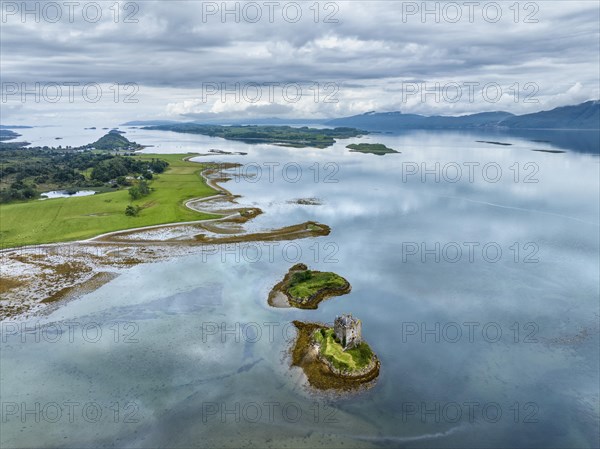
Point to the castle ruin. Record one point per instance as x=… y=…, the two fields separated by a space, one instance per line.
x=348 y=331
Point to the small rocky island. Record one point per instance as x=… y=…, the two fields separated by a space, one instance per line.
x=305 y=289
x=335 y=358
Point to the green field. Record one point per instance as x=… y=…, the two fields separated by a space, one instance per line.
x=351 y=359
x=304 y=284
x=67 y=219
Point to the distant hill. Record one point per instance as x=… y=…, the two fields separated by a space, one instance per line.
x=114 y=141
x=374 y=121
x=582 y=116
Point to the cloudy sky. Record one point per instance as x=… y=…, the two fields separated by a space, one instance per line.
x=192 y=59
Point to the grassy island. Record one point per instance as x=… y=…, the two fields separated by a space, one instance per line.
x=373 y=148
x=276 y=135
x=305 y=289
x=327 y=365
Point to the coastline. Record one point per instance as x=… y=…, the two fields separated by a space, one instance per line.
x=35 y=276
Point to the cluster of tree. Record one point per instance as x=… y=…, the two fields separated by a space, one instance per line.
x=117 y=166
x=17 y=192
x=139 y=190
x=24 y=170
x=299 y=277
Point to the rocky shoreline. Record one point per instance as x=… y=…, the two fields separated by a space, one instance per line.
x=320 y=373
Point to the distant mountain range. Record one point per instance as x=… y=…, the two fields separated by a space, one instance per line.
x=384 y=121
x=582 y=116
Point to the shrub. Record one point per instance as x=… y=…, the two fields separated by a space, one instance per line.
x=302 y=276
x=132 y=211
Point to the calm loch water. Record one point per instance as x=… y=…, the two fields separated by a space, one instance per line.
x=474 y=269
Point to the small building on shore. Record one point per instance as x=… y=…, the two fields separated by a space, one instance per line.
x=348 y=331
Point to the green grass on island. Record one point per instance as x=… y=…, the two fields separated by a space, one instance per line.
x=76 y=218
x=373 y=148
x=349 y=360
x=305 y=284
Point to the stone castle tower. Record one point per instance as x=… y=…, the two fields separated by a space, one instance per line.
x=348 y=331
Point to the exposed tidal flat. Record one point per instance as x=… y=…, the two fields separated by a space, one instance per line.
x=182 y=371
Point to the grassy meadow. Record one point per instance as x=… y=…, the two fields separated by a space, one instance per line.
x=76 y=218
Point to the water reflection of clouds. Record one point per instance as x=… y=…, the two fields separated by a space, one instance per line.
x=372 y=212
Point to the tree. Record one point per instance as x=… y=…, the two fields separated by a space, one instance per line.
x=138 y=191
x=134 y=193
x=144 y=187
x=123 y=181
